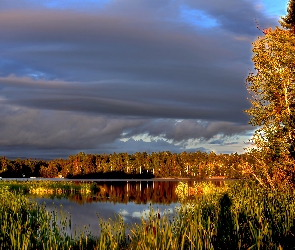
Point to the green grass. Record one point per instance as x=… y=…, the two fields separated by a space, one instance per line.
x=238 y=216
x=25 y=225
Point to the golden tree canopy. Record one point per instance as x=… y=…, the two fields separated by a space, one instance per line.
x=273 y=93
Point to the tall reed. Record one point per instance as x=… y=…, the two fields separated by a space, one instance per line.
x=26 y=225
x=240 y=216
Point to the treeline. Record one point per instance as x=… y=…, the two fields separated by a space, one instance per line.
x=162 y=164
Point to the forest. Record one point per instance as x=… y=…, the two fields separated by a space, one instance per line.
x=123 y=165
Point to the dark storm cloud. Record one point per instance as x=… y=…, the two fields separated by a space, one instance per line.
x=28 y=129
x=21 y=126
x=78 y=79
x=187 y=129
x=32 y=133
x=142 y=146
x=74 y=46
x=117 y=98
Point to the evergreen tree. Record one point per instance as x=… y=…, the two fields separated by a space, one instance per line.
x=288 y=22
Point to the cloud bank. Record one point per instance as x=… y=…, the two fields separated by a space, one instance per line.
x=116 y=76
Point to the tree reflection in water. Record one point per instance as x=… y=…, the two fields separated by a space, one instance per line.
x=131 y=199
x=139 y=192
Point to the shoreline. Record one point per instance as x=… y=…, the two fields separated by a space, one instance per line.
x=213 y=178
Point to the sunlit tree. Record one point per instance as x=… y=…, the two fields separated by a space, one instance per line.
x=272 y=92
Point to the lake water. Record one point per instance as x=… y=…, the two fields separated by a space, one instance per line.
x=132 y=199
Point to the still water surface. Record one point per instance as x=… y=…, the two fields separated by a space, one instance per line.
x=132 y=199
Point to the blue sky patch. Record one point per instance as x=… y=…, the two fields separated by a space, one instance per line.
x=74 y=4
x=197 y=17
x=275 y=8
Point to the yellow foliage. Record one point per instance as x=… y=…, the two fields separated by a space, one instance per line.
x=184 y=191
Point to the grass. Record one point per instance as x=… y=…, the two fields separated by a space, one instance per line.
x=25 y=225
x=241 y=218
x=236 y=216
x=50 y=188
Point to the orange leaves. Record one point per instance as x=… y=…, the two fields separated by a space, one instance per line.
x=267 y=30
x=272 y=100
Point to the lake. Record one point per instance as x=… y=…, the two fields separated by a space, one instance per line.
x=132 y=199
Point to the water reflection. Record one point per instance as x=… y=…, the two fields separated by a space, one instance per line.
x=89 y=214
x=138 y=192
x=131 y=199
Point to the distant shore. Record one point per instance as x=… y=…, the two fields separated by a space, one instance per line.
x=213 y=178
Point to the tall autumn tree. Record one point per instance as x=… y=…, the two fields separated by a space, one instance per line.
x=272 y=92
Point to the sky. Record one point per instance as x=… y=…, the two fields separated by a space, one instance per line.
x=104 y=76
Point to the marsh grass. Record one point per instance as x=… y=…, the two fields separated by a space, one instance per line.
x=55 y=188
x=27 y=225
x=240 y=216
